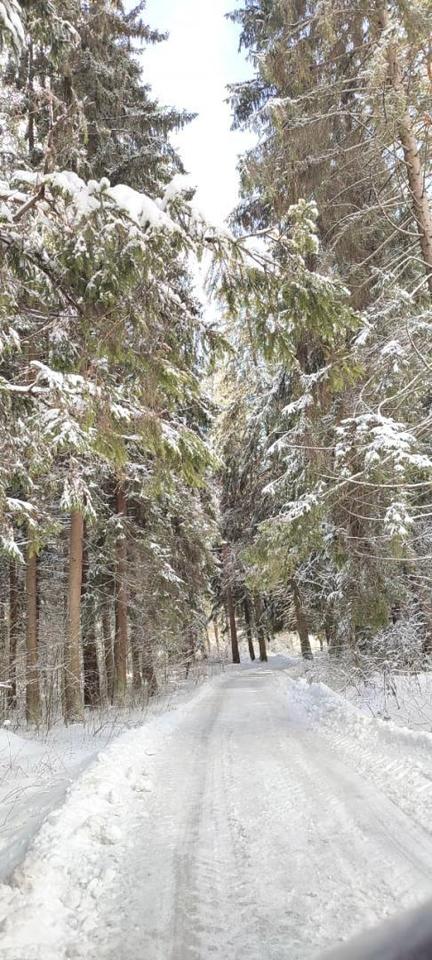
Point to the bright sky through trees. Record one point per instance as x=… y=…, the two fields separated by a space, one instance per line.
x=191 y=70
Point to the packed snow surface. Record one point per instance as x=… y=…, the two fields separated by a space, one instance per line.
x=265 y=818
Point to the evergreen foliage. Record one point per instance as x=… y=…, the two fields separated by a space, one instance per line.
x=129 y=514
x=104 y=419
x=326 y=490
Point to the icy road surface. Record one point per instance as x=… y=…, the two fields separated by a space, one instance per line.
x=265 y=820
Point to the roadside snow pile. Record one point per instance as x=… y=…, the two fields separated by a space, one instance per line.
x=50 y=906
x=384 y=691
x=404 y=698
x=14 y=749
x=34 y=777
x=396 y=759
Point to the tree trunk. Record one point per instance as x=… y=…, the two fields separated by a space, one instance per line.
x=149 y=674
x=13 y=633
x=424 y=601
x=417 y=179
x=232 y=626
x=248 y=622
x=336 y=644
x=32 y=691
x=31 y=102
x=137 y=678
x=260 y=629
x=121 y=605
x=301 y=623
x=92 y=691
x=4 y=638
x=230 y=608
x=73 y=698
x=191 y=645
x=108 y=653
x=91 y=676
x=216 y=634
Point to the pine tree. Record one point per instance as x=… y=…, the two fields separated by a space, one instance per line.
x=99 y=393
x=340 y=104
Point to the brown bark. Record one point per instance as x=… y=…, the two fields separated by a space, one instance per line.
x=190 y=650
x=108 y=653
x=91 y=667
x=259 y=620
x=336 y=644
x=32 y=690
x=137 y=679
x=13 y=632
x=424 y=600
x=91 y=678
x=216 y=634
x=230 y=608
x=248 y=622
x=121 y=605
x=73 y=698
x=416 y=175
x=149 y=674
x=4 y=651
x=232 y=626
x=301 y=622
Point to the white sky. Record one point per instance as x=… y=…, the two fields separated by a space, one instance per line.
x=191 y=70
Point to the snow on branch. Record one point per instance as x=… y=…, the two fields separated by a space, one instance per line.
x=11 y=23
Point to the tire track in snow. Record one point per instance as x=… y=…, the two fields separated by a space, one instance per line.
x=262 y=835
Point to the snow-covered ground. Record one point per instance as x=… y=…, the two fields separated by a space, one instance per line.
x=37 y=771
x=263 y=817
x=389 y=693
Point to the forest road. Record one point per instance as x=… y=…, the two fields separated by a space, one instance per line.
x=258 y=841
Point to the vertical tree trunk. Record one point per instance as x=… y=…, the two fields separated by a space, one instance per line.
x=13 y=633
x=91 y=678
x=230 y=608
x=248 y=622
x=191 y=644
x=259 y=620
x=108 y=653
x=301 y=623
x=32 y=696
x=121 y=605
x=417 y=180
x=4 y=648
x=149 y=673
x=73 y=698
x=137 y=678
x=216 y=634
x=424 y=601
x=336 y=644
x=31 y=102
x=92 y=691
x=232 y=626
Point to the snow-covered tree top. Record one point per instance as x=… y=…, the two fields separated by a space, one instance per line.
x=87 y=197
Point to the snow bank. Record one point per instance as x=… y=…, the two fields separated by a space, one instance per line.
x=406 y=699
x=50 y=906
x=14 y=748
x=396 y=759
x=331 y=706
x=34 y=776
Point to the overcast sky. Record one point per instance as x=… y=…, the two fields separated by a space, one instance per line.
x=191 y=69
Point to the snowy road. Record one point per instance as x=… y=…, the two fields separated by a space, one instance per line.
x=259 y=833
